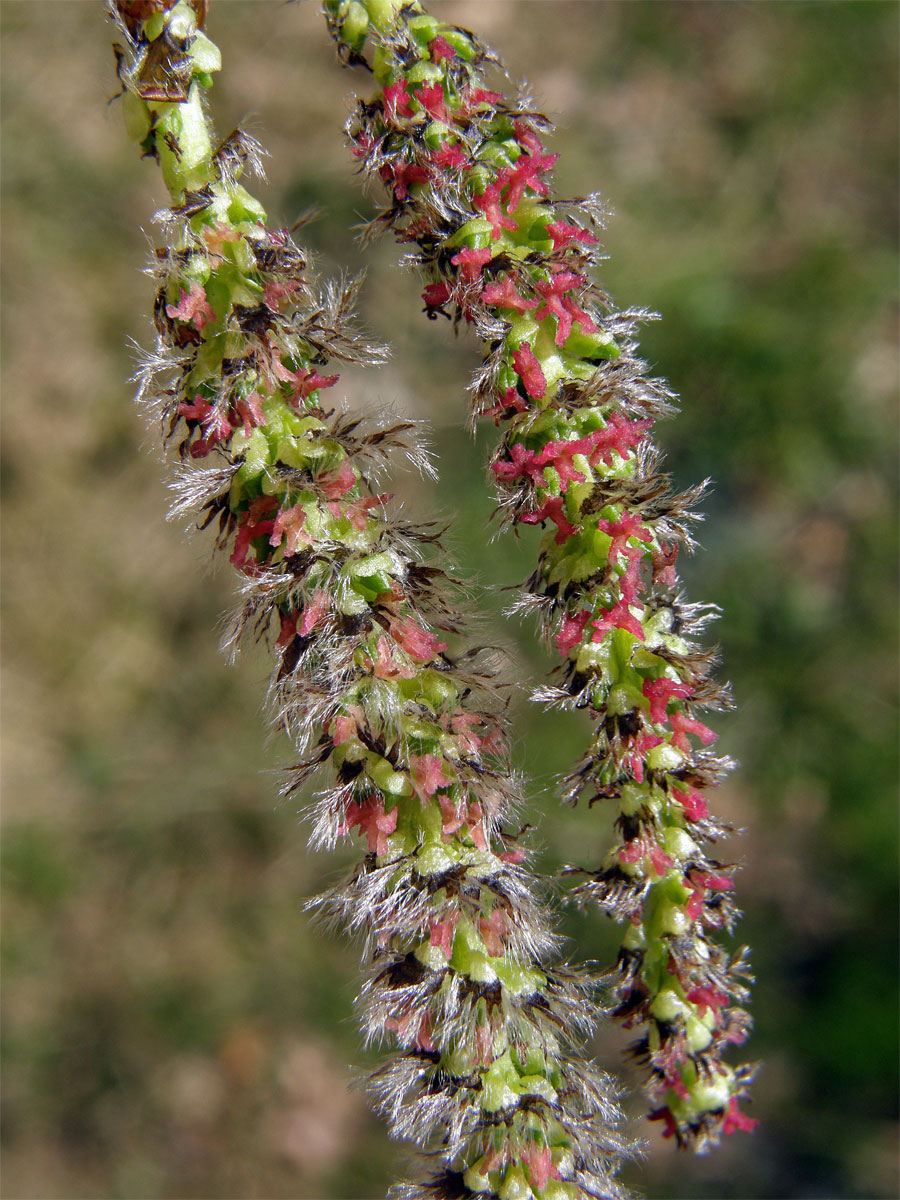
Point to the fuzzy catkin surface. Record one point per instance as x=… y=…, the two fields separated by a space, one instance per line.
x=115 y=769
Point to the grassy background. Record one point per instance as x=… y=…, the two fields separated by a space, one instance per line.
x=172 y=1025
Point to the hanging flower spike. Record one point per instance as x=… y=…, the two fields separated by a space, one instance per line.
x=483 y=1072
x=562 y=373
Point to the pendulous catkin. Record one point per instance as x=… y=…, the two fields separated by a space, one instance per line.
x=484 y=1072
x=470 y=187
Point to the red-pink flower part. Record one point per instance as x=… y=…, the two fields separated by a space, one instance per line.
x=420 y=1036
x=694 y=805
x=489 y=203
x=432 y=100
x=356 y=511
x=633 y=852
x=504 y=295
x=449 y=154
x=215 y=422
x=362 y=145
x=540 y=1167
x=416 y=641
x=676 y=1083
x=462 y=724
x=470 y=262
x=618 y=435
x=218 y=429
x=493 y=930
x=526 y=363
x=525 y=173
x=313 y=612
x=289 y=525
x=663 y=1114
x=442 y=934
x=397 y=100
x=630 y=583
x=617 y=617
x=216 y=236
x=664 y=564
x=288 y=628
x=250 y=527
x=560 y=455
x=558 y=303
x=564 y=235
x=405 y=175
x=428 y=775
x=492 y=742
x=628 y=526
x=682 y=725
x=196 y=411
x=274 y=293
x=475 y=821
x=707 y=998
x=659 y=692
x=483 y=1043
x=373 y=822
x=736 y=1121
x=439 y=49
x=571 y=631
x=436 y=294
x=640 y=748
x=386 y=666
x=509 y=400
x=192 y=308
x=452 y=817
x=523 y=462
x=305 y=382
x=700 y=883
x=335 y=484
x=345 y=728
x=251 y=412
x=476 y=97
x=527 y=138
x=552 y=510
x=645 y=847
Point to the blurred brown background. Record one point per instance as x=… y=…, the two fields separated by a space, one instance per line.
x=172 y=1025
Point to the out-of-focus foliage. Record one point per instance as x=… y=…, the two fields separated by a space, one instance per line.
x=172 y=1025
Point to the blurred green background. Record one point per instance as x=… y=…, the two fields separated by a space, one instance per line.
x=172 y=1025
